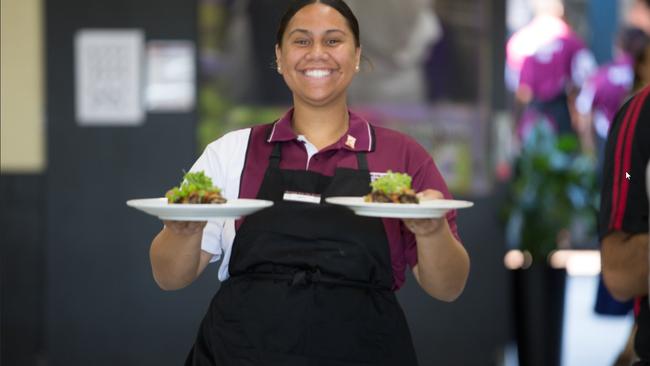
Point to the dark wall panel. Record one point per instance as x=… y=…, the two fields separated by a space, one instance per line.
x=22 y=223
x=103 y=307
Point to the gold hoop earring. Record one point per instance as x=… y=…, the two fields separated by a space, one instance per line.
x=279 y=70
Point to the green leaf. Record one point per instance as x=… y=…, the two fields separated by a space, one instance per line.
x=554 y=189
x=192 y=182
x=392 y=183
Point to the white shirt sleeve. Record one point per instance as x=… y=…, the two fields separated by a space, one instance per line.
x=583 y=65
x=223 y=161
x=585 y=100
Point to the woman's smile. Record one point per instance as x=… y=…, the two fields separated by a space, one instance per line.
x=317 y=73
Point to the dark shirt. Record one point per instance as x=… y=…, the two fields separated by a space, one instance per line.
x=624 y=202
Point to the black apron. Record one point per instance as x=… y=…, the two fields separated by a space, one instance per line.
x=310 y=284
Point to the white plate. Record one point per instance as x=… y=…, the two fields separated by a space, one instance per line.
x=422 y=210
x=233 y=209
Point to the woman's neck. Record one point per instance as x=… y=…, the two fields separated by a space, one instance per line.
x=321 y=126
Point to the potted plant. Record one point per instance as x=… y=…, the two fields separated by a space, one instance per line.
x=551 y=205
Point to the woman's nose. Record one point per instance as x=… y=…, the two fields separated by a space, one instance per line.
x=318 y=51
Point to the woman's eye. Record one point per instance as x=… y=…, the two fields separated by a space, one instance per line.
x=333 y=42
x=301 y=42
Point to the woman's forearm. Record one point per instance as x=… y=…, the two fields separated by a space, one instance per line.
x=624 y=261
x=175 y=258
x=443 y=264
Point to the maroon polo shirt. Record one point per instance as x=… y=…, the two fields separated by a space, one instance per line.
x=386 y=150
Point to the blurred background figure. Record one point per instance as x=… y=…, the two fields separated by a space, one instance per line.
x=606 y=90
x=397 y=37
x=623 y=225
x=599 y=100
x=546 y=64
x=638 y=15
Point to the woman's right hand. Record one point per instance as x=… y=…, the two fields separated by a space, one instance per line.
x=185 y=228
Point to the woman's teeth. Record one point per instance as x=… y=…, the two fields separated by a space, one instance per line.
x=317 y=73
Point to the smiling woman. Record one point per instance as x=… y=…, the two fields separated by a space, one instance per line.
x=306 y=282
x=318 y=59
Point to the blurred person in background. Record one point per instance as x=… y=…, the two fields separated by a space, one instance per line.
x=597 y=104
x=546 y=65
x=623 y=215
x=398 y=37
x=608 y=88
x=306 y=283
x=638 y=15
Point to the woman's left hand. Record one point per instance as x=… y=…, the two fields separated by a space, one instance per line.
x=426 y=227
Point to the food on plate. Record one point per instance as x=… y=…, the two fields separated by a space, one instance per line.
x=392 y=188
x=195 y=188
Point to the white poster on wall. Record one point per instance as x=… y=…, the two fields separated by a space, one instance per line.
x=171 y=75
x=108 y=73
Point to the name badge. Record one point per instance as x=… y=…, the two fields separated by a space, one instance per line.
x=302 y=197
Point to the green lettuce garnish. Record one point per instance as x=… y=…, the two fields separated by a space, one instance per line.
x=392 y=183
x=192 y=182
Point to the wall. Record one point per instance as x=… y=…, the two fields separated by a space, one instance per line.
x=21 y=93
x=22 y=198
x=102 y=305
x=22 y=223
x=603 y=29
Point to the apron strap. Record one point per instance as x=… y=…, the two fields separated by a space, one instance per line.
x=362 y=162
x=276 y=156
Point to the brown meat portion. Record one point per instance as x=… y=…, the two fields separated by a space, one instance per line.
x=209 y=197
x=213 y=197
x=193 y=198
x=382 y=197
x=408 y=198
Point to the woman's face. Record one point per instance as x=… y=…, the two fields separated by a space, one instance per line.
x=318 y=58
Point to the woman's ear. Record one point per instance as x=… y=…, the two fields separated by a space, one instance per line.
x=278 y=53
x=358 y=58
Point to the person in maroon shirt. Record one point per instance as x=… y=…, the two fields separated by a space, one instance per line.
x=312 y=283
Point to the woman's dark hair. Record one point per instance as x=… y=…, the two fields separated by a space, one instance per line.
x=634 y=42
x=339 y=5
